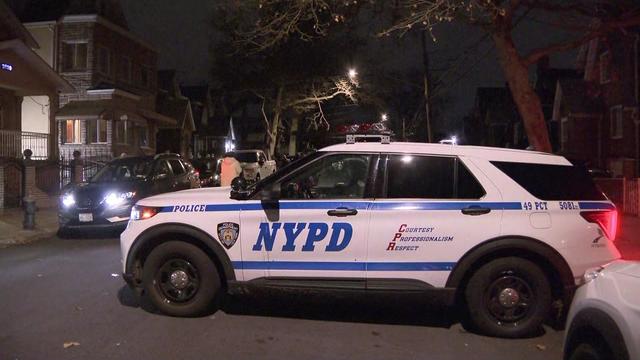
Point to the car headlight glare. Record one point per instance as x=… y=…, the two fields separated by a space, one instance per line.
x=68 y=200
x=114 y=199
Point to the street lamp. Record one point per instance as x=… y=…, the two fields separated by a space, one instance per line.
x=384 y=117
x=352 y=74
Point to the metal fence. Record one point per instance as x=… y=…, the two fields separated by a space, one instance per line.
x=91 y=159
x=13 y=143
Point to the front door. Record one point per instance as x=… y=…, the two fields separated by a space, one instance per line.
x=432 y=212
x=318 y=229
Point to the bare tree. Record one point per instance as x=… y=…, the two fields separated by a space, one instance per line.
x=585 y=19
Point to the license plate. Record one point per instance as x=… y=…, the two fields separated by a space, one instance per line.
x=85 y=217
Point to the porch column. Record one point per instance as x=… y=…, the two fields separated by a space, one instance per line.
x=52 y=141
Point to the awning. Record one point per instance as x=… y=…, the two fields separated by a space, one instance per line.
x=163 y=121
x=79 y=109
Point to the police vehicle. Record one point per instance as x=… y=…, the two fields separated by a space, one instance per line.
x=503 y=233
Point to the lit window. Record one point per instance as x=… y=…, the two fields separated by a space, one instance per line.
x=71 y=132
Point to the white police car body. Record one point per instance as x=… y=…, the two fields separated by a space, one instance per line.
x=476 y=226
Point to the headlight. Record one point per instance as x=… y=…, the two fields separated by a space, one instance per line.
x=139 y=212
x=114 y=199
x=68 y=200
x=592 y=274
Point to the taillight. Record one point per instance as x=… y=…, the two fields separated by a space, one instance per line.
x=607 y=220
x=197 y=173
x=139 y=212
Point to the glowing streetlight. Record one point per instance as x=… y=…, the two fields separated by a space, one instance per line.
x=384 y=117
x=352 y=74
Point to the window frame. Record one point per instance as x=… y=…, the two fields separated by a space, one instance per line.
x=143 y=129
x=103 y=50
x=457 y=160
x=127 y=76
x=127 y=132
x=370 y=189
x=96 y=139
x=73 y=67
x=77 y=125
x=605 y=64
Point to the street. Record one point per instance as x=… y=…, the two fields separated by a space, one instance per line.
x=70 y=291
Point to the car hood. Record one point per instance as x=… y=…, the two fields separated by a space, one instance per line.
x=92 y=194
x=186 y=197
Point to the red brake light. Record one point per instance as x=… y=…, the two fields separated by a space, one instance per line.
x=607 y=220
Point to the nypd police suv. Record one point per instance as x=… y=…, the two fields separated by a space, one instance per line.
x=504 y=233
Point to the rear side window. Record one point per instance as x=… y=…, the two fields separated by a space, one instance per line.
x=176 y=166
x=552 y=182
x=430 y=177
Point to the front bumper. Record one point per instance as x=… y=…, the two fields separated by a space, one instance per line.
x=101 y=218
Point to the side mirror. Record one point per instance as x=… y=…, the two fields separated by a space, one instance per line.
x=238 y=184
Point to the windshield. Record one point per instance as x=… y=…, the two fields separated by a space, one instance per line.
x=246 y=157
x=253 y=188
x=123 y=170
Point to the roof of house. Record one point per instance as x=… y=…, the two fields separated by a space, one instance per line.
x=12 y=28
x=195 y=92
x=177 y=108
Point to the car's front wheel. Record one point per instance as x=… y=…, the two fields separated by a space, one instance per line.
x=508 y=297
x=180 y=279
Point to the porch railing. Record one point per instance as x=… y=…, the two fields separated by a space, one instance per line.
x=13 y=143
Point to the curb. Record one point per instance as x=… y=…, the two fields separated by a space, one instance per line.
x=38 y=235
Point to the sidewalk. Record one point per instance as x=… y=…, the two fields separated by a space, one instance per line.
x=12 y=233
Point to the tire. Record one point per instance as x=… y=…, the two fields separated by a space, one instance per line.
x=586 y=351
x=508 y=297
x=180 y=279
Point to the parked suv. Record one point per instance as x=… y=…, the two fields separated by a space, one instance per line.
x=255 y=164
x=503 y=233
x=105 y=201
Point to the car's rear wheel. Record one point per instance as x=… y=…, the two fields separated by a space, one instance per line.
x=180 y=279
x=508 y=297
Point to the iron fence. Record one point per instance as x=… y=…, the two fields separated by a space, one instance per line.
x=13 y=143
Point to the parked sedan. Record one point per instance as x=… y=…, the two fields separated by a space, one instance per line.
x=604 y=319
x=105 y=201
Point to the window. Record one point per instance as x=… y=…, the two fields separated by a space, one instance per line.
x=97 y=131
x=176 y=167
x=75 y=56
x=143 y=136
x=605 y=67
x=552 y=182
x=71 y=132
x=616 y=116
x=331 y=177
x=123 y=132
x=104 y=60
x=124 y=70
x=162 y=168
x=430 y=177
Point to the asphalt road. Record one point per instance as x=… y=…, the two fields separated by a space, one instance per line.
x=70 y=291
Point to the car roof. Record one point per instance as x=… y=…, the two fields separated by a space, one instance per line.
x=482 y=152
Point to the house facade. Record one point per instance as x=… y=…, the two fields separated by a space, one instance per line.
x=112 y=109
x=178 y=137
x=25 y=77
x=598 y=114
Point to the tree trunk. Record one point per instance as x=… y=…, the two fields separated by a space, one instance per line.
x=272 y=133
x=427 y=86
x=526 y=99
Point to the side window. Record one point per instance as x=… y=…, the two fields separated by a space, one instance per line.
x=176 y=166
x=422 y=177
x=332 y=177
x=162 y=168
x=430 y=177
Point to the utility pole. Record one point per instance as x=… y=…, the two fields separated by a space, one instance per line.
x=427 y=84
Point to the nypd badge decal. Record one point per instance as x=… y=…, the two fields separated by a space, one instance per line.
x=228 y=233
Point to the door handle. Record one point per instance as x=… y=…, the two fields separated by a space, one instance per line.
x=342 y=212
x=475 y=210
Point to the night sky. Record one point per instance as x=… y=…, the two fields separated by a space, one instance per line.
x=180 y=30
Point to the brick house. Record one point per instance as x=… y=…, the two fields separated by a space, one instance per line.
x=598 y=115
x=113 y=107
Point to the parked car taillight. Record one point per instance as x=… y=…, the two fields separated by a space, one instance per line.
x=607 y=220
